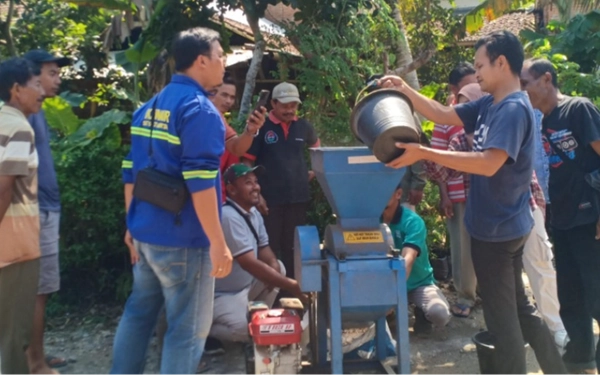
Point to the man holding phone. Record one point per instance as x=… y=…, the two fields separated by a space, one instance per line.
x=279 y=147
x=223 y=97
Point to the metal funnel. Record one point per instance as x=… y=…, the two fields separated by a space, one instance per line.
x=356 y=184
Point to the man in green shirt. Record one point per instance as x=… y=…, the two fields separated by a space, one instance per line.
x=410 y=235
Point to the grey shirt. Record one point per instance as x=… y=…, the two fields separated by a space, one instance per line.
x=240 y=240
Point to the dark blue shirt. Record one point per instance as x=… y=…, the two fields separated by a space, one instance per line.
x=188 y=139
x=498 y=206
x=48 y=192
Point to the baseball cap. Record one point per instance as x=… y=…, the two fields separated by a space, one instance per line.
x=238 y=170
x=286 y=93
x=41 y=56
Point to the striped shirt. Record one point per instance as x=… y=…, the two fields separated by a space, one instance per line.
x=440 y=139
x=20 y=226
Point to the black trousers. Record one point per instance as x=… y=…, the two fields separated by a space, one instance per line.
x=281 y=223
x=509 y=315
x=577 y=255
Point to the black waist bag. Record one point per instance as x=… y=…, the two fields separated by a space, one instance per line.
x=158 y=188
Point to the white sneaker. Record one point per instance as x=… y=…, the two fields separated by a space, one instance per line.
x=561 y=338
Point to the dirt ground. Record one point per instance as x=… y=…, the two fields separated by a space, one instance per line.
x=87 y=341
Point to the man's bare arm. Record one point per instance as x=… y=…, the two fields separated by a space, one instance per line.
x=596 y=146
x=267 y=273
x=128 y=192
x=485 y=163
x=432 y=110
x=7 y=184
x=240 y=144
x=206 y=207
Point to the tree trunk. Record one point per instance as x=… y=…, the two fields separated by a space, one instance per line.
x=402 y=51
x=10 y=43
x=255 y=63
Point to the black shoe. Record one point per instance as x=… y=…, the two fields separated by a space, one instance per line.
x=213 y=347
x=422 y=325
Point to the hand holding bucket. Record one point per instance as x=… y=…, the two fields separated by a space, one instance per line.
x=383 y=117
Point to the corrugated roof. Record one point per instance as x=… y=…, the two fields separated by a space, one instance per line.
x=280 y=13
x=275 y=42
x=514 y=22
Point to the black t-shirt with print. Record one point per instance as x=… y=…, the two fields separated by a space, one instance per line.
x=572 y=126
x=286 y=176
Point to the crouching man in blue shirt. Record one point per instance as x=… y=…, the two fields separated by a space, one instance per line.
x=410 y=237
x=180 y=133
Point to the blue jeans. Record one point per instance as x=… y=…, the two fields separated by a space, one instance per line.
x=179 y=279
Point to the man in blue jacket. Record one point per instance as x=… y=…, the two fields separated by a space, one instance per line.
x=178 y=132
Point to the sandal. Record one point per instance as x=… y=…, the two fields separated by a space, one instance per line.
x=460 y=310
x=56 y=362
x=203 y=367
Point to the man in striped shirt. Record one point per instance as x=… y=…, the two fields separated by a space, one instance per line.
x=22 y=93
x=453 y=200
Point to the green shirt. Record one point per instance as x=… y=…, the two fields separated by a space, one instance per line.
x=408 y=230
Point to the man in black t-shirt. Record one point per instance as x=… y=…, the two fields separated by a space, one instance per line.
x=279 y=147
x=571 y=135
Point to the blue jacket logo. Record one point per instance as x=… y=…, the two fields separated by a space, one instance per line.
x=271 y=137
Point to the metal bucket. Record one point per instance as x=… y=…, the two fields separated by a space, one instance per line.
x=382 y=118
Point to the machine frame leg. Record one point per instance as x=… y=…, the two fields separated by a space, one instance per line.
x=322 y=329
x=335 y=317
x=402 y=347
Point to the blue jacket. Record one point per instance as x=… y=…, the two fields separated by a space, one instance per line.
x=188 y=140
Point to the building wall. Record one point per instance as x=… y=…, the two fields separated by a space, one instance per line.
x=551 y=12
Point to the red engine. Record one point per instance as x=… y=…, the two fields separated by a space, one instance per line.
x=275 y=327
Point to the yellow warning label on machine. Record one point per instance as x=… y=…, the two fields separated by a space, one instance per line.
x=363 y=237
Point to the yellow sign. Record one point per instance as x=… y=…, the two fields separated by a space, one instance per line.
x=363 y=237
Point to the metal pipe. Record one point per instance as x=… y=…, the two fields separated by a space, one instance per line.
x=312 y=324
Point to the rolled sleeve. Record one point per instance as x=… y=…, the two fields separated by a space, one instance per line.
x=415 y=234
x=15 y=152
x=469 y=112
x=236 y=232
x=202 y=135
x=589 y=121
x=263 y=237
x=127 y=169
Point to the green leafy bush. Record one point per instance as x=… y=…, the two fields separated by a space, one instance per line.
x=93 y=255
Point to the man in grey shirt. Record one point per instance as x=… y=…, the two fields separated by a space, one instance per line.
x=256 y=274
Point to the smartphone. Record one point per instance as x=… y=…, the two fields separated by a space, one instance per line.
x=263 y=97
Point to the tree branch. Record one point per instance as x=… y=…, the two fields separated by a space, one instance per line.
x=10 y=43
x=255 y=63
x=402 y=49
x=422 y=59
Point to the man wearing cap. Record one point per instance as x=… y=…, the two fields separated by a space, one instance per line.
x=279 y=147
x=49 y=201
x=256 y=274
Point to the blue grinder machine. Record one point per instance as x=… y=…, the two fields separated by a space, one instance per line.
x=356 y=276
